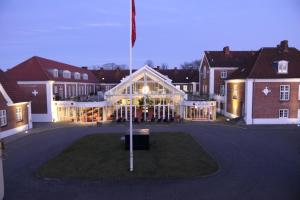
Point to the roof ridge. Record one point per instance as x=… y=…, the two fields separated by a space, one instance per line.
x=36 y=59
x=254 y=65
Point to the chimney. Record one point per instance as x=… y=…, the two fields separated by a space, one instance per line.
x=226 y=50
x=157 y=67
x=284 y=45
x=84 y=67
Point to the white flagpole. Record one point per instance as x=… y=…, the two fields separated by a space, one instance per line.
x=130 y=81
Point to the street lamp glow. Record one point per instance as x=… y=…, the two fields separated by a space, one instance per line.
x=146 y=90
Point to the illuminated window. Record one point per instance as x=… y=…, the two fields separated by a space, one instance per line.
x=178 y=87
x=223 y=74
x=235 y=91
x=19 y=115
x=284 y=92
x=283 y=113
x=185 y=88
x=3 y=118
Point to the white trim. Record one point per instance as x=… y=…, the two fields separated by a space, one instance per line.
x=230 y=115
x=49 y=95
x=275 y=121
x=248 y=101
x=211 y=82
x=224 y=68
x=29 y=115
x=5 y=95
x=299 y=92
x=13 y=131
x=225 y=98
x=17 y=104
x=277 y=80
x=32 y=82
x=236 y=80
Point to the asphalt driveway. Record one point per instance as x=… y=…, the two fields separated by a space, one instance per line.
x=261 y=162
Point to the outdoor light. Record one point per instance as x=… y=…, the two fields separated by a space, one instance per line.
x=146 y=89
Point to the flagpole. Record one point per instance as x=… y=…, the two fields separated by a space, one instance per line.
x=130 y=81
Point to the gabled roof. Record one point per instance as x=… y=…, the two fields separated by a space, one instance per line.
x=228 y=58
x=263 y=63
x=39 y=69
x=176 y=75
x=11 y=88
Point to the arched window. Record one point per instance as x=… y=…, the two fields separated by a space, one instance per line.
x=66 y=74
x=55 y=73
x=85 y=76
x=77 y=75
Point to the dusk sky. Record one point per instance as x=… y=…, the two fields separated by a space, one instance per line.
x=94 y=32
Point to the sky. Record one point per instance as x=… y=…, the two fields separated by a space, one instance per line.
x=95 y=32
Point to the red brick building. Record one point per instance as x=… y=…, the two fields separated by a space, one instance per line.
x=15 y=113
x=264 y=88
x=43 y=81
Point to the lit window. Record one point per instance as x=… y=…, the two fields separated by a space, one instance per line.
x=222 y=90
x=3 y=118
x=223 y=74
x=178 y=87
x=66 y=74
x=282 y=67
x=19 y=115
x=85 y=76
x=283 y=113
x=77 y=75
x=55 y=73
x=284 y=92
x=185 y=88
x=235 y=91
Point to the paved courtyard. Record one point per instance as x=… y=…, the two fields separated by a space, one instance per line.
x=259 y=162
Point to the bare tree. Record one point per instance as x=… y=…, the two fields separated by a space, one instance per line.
x=191 y=65
x=164 y=66
x=150 y=63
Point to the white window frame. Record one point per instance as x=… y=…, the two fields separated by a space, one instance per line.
x=85 y=76
x=299 y=93
x=284 y=92
x=55 y=73
x=223 y=74
x=282 y=67
x=3 y=118
x=77 y=75
x=283 y=113
x=67 y=74
x=19 y=114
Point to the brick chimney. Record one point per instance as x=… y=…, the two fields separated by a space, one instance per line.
x=284 y=46
x=226 y=50
x=84 y=67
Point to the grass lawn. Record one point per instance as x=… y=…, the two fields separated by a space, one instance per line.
x=102 y=156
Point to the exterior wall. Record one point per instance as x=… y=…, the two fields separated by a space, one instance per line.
x=267 y=106
x=38 y=102
x=235 y=106
x=218 y=81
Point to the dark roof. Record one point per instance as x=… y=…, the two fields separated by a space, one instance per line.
x=11 y=88
x=39 y=69
x=262 y=64
x=176 y=75
x=229 y=58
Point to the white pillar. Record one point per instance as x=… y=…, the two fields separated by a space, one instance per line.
x=126 y=112
x=117 y=112
x=159 y=111
x=164 y=109
x=168 y=111
x=134 y=111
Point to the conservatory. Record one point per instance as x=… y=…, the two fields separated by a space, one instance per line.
x=154 y=96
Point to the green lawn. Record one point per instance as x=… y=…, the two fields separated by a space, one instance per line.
x=102 y=156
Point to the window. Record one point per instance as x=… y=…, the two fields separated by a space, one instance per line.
x=222 y=90
x=85 y=76
x=178 y=87
x=55 y=89
x=185 y=88
x=55 y=73
x=283 y=113
x=77 y=75
x=19 y=116
x=223 y=74
x=284 y=92
x=3 y=118
x=66 y=74
x=282 y=67
x=235 y=91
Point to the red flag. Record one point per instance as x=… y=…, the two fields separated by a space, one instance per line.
x=133 y=27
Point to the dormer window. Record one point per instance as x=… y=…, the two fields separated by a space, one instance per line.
x=77 y=75
x=85 y=76
x=66 y=74
x=55 y=73
x=223 y=74
x=282 y=67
